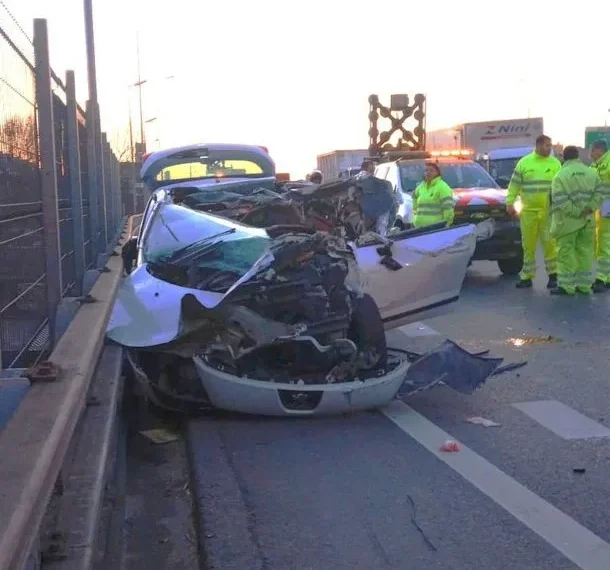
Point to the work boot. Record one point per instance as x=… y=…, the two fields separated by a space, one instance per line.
x=552 y=283
x=524 y=284
x=599 y=286
x=559 y=291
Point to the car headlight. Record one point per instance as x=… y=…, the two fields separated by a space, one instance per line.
x=518 y=205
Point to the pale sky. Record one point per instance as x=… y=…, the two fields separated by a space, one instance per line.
x=295 y=76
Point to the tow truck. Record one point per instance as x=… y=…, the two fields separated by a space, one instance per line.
x=477 y=196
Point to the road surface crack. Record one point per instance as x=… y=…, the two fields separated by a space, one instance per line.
x=416 y=525
x=248 y=506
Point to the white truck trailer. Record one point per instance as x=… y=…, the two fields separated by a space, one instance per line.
x=340 y=163
x=483 y=137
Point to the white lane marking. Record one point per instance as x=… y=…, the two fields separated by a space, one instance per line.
x=418 y=329
x=563 y=420
x=587 y=550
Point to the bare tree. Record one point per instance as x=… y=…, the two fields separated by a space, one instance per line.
x=121 y=144
x=18 y=138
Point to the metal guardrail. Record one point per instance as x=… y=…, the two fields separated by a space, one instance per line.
x=34 y=444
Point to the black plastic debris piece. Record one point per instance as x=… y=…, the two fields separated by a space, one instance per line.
x=579 y=470
x=385 y=250
x=389 y=262
x=451 y=365
x=480 y=352
x=509 y=367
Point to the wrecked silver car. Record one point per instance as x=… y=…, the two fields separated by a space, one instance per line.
x=250 y=299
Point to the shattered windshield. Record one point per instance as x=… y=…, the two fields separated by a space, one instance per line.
x=183 y=241
x=456 y=175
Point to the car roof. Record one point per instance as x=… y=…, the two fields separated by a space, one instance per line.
x=154 y=156
x=163 y=158
x=515 y=152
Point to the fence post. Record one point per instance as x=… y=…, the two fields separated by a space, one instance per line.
x=112 y=192
x=104 y=191
x=50 y=214
x=109 y=188
x=122 y=211
x=75 y=182
x=94 y=217
x=118 y=203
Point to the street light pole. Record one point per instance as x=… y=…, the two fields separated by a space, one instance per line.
x=131 y=150
x=132 y=157
x=139 y=86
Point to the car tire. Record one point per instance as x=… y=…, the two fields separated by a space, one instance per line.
x=366 y=328
x=511 y=266
x=399 y=224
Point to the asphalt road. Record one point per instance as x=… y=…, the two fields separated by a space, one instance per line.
x=373 y=491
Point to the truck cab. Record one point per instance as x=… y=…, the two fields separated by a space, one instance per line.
x=500 y=163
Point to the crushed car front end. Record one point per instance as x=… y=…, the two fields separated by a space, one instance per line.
x=284 y=314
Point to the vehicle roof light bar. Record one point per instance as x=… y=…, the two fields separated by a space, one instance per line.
x=454 y=152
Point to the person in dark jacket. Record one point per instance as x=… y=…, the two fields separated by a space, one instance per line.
x=378 y=202
x=315 y=177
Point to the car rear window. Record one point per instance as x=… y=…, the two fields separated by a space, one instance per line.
x=216 y=169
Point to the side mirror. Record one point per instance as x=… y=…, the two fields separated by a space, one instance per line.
x=129 y=253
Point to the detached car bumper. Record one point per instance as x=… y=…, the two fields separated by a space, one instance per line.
x=504 y=244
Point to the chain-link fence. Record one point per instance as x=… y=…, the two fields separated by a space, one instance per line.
x=28 y=225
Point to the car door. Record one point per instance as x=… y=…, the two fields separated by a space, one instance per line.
x=433 y=266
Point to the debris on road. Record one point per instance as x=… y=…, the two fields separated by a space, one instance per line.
x=579 y=470
x=509 y=367
x=477 y=420
x=529 y=340
x=160 y=436
x=449 y=364
x=451 y=446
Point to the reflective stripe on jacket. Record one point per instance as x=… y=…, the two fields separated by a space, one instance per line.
x=573 y=189
x=433 y=203
x=531 y=181
x=602 y=166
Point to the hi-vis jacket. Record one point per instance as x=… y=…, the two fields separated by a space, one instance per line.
x=433 y=203
x=602 y=166
x=576 y=187
x=531 y=181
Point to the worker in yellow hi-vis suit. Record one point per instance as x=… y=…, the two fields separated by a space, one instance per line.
x=433 y=199
x=574 y=199
x=601 y=163
x=531 y=182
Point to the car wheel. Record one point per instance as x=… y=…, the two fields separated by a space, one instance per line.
x=511 y=266
x=366 y=330
x=399 y=224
